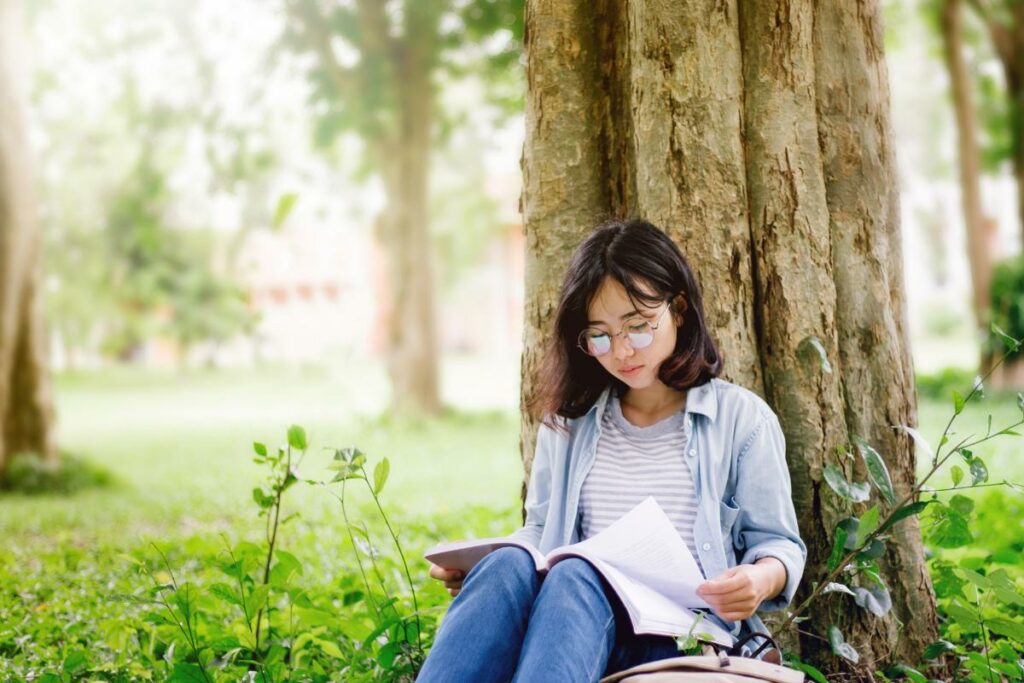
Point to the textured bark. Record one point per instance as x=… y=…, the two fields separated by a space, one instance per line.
x=26 y=413
x=757 y=134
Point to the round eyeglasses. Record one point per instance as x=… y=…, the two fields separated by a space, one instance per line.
x=639 y=333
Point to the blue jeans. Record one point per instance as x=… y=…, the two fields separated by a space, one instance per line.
x=506 y=624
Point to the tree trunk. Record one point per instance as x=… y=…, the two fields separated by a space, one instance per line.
x=757 y=134
x=26 y=413
x=412 y=352
x=979 y=258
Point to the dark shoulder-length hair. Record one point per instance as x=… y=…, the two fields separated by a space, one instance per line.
x=652 y=269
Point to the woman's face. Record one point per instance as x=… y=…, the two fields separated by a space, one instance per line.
x=609 y=310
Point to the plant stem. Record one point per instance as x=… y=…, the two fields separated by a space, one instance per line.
x=937 y=462
x=405 y=565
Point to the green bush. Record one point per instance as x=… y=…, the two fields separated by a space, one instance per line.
x=29 y=474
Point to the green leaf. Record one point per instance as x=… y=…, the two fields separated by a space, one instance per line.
x=226 y=593
x=386 y=656
x=380 y=475
x=957 y=474
x=868 y=522
x=836 y=556
x=914 y=675
x=256 y=599
x=75 y=661
x=331 y=649
x=297 y=437
x=873 y=550
x=874 y=599
x=186 y=673
x=285 y=204
x=938 y=648
x=906 y=511
x=951 y=530
x=1007 y=627
x=979 y=473
x=850 y=525
x=958 y=402
x=962 y=504
x=259 y=448
x=858 y=492
x=840 y=647
x=878 y=473
x=262 y=499
x=962 y=615
x=1010 y=343
x=286 y=565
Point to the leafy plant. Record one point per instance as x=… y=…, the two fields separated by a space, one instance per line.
x=859 y=541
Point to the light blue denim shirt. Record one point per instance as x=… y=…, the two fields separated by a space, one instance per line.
x=737 y=458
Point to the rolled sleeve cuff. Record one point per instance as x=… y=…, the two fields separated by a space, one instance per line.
x=791 y=558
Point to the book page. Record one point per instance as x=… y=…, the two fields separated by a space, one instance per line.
x=463 y=555
x=644 y=546
x=652 y=612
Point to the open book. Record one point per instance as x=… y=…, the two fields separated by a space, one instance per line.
x=641 y=556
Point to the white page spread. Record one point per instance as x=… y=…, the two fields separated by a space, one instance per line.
x=642 y=557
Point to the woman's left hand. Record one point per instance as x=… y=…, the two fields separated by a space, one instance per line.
x=738 y=592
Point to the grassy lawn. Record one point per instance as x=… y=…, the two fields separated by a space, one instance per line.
x=180 y=448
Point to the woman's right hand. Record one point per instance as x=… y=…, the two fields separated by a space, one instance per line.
x=452 y=578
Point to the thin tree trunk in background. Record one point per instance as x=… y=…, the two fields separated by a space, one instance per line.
x=979 y=258
x=757 y=135
x=26 y=412
x=413 y=349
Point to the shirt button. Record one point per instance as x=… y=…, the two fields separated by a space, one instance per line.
x=692 y=452
x=706 y=546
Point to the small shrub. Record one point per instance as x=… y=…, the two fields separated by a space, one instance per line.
x=29 y=474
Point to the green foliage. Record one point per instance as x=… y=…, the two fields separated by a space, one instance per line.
x=859 y=543
x=211 y=608
x=1006 y=299
x=27 y=473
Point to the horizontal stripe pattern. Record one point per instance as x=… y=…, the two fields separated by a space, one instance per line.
x=635 y=462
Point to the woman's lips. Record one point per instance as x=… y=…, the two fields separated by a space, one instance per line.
x=629 y=372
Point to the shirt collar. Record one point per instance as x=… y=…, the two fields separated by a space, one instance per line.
x=701 y=399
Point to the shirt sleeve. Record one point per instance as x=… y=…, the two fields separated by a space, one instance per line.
x=538 y=491
x=767 y=520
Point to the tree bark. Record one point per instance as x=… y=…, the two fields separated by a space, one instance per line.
x=26 y=412
x=979 y=258
x=757 y=135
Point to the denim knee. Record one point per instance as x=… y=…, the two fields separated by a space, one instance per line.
x=510 y=566
x=573 y=569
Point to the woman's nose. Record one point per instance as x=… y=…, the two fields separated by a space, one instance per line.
x=621 y=348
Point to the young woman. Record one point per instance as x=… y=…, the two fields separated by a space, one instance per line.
x=632 y=407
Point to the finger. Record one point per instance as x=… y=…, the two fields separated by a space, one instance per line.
x=444 y=574
x=721 y=586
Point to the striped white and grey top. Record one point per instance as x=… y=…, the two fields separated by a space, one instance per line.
x=635 y=462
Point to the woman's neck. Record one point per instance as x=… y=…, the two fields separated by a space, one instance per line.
x=651 y=404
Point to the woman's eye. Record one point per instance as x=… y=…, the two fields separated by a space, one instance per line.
x=636 y=326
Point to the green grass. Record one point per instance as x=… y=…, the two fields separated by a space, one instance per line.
x=180 y=447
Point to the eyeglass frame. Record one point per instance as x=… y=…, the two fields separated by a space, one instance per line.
x=654 y=329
